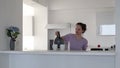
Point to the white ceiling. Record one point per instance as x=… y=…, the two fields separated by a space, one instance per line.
x=76 y=4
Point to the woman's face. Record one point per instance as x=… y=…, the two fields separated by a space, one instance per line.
x=78 y=30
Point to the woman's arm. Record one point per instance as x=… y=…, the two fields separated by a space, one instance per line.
x=66 y=37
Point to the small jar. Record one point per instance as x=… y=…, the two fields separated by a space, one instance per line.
x=55 y=47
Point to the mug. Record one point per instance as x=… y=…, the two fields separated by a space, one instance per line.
x=54 y=46
x=62 y=47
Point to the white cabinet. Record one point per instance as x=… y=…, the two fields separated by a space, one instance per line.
x=58 y=26
x=47 y=59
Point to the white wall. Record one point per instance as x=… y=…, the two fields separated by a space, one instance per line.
x=117 y=21
x=40 y=31
x=10 y=14
x=104 y=17
x=27 y=25
x=42 y=2
x=60 y=12
x=77 y=4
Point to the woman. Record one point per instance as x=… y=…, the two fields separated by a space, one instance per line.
x=77 y=41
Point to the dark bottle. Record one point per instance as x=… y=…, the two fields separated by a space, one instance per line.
x=58 y=40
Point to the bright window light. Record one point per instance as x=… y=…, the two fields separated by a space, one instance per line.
x=28 y=10
x=107 y=30
x=28 y=38
x=28 y=43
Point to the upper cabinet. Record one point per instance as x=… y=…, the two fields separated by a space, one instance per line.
x=58 y=26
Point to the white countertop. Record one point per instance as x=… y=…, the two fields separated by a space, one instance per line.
x=98 y=53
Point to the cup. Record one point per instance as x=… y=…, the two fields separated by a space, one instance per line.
x=62 y=47
x=54 y=46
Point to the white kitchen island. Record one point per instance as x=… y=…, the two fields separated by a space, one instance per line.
x=57 y=59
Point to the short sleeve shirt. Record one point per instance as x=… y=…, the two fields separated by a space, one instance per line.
x=75 y=44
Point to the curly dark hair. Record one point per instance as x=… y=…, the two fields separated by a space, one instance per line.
x=83 y=26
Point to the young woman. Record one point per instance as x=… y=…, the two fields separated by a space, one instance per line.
x=77 y=41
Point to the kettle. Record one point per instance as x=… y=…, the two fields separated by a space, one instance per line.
x=58 y=40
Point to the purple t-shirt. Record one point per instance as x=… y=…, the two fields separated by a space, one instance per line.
x=75 y=44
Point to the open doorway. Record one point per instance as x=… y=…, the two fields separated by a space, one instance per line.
x=28 y=24
x=34 y=22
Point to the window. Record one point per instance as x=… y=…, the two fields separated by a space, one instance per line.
x=107 y=29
